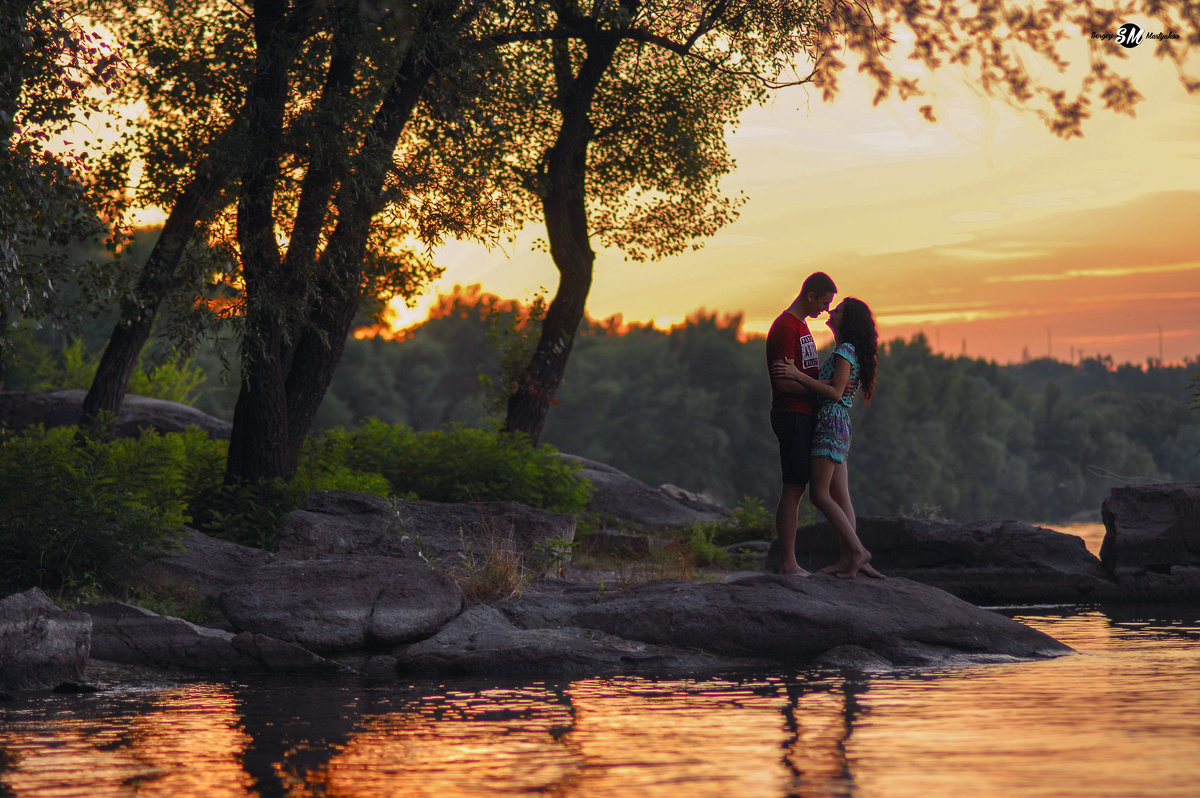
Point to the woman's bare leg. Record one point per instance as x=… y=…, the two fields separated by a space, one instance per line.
x=839 y=493
x=853 y=553
x=839 y=490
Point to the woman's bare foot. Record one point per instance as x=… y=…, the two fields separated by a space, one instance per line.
x=870 y=571
x=793 y=571
x=840 y=565
x=860 y=563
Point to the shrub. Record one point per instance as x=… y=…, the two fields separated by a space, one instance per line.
x=86 y=512
x=452 y=465
x=251 y=513
x=749 y=521
x=459 y=464
x=80 y=513
x=704 y=551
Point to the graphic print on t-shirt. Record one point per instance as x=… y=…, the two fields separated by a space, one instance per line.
x=808 y=352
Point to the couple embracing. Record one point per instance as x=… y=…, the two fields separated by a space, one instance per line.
x=810 y=404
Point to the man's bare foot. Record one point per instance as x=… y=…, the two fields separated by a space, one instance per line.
x=793 y=571
x=840 y=565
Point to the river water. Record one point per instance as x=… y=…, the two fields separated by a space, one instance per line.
x=1120 y=718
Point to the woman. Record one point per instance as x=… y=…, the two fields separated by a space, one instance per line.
x=854 y=358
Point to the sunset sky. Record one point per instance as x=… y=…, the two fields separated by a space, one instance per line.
x=985 y=231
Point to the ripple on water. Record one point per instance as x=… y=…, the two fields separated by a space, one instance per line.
x=1121 y=718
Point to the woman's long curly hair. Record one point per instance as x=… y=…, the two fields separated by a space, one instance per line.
x=858 y=328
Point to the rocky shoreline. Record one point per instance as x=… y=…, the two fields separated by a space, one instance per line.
x=363 y=587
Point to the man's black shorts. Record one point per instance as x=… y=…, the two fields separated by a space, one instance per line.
x=794 y=431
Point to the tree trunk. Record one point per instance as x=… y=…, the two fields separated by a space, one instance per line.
x=158 y=277
x=257 y=443
x=320 y=346
x=160 y=274
x=300 y=373
x=564 y=206
x=529 y=405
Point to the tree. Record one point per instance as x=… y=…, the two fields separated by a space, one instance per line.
x=296 y=327
x=591 y=63
x=190 y=147
x=643 y=93
x=320 y=147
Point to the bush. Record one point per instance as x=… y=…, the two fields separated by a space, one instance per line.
x=250 y=514
x=83 y=513
x=459 y=464
x=455 y=464
x=751 y=520
x=86 y=512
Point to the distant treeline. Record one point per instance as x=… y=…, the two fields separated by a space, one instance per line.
x=963 y=438
x=955 y=437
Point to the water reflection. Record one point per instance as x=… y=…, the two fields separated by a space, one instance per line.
x=1122 y=718
x=600 y=737
x=182 y=741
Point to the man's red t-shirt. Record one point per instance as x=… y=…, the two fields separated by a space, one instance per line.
x=789 y=337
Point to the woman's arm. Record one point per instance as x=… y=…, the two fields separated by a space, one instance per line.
x=786 y=371
x=783 y=377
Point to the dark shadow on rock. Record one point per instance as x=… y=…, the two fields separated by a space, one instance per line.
x=990 y=563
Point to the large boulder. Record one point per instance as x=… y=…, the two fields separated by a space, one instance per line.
x=20 y=409
x=1151 y=528
x=343 y=523
x=343 y=602
x=620 y=496
x=132 y=635
x=791 y=621
x=202 y=566
x=1152 y=540
x=483 y=642
x=990 y=563
x=41 y=646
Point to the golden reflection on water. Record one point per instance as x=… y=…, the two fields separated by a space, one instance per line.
x=598 y=738
x=1088 y=725
x=181 y=742
x=1122 y=718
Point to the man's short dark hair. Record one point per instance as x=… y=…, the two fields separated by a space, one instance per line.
x=818 y=283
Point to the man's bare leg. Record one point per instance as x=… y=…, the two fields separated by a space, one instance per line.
x=787 y=515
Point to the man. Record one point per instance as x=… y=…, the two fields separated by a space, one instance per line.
x=792 y=407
